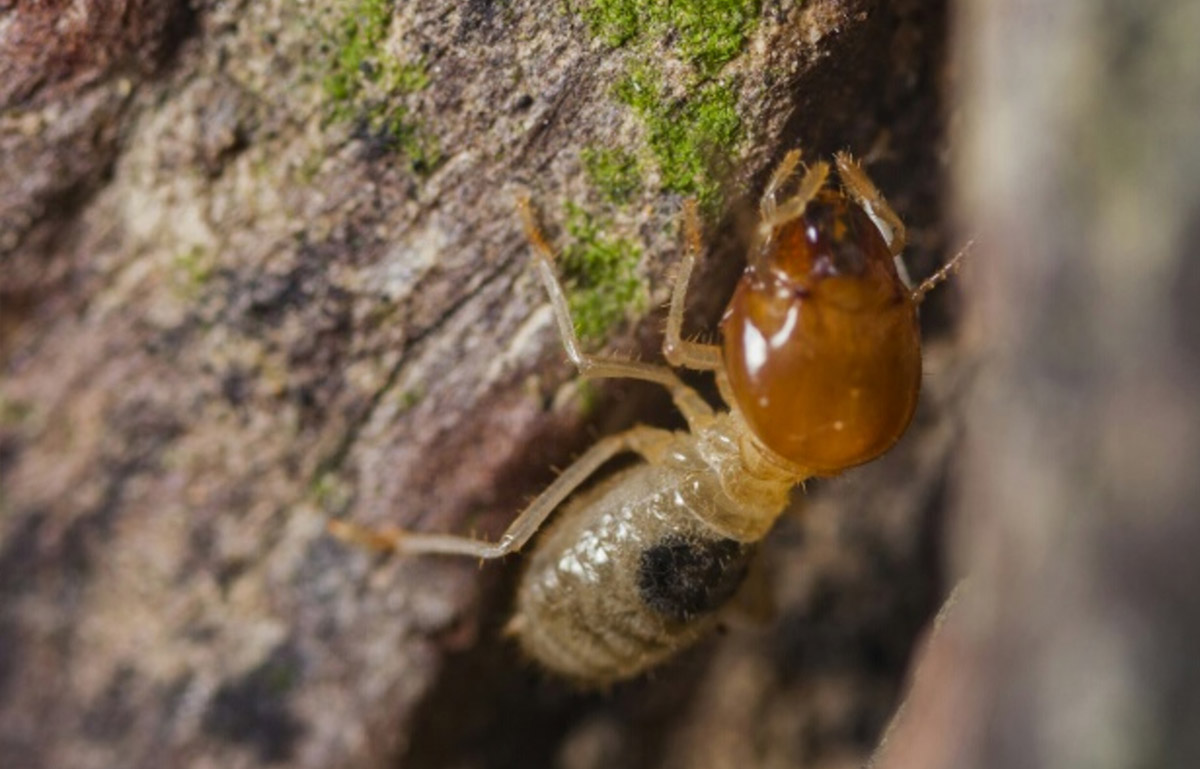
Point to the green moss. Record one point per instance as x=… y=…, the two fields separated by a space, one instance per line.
x=357 y=37
x=366 y=86
x=691 y=139
x=404 y=77
x=613 y=172
x=308 y=168
x=617 y=22
x=600 y=275
x=707 y=33
x=14 y=413
x=191 y=271
x=410 y=398
x=711 y=32
x=640 y=88
x=330 y=493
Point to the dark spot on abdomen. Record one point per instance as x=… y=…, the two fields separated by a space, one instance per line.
x=682 y=577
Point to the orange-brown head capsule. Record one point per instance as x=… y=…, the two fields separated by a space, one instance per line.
x=822 y=346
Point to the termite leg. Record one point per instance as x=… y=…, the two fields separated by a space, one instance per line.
x=650 y=442
x=693 y=407
x=782 y=173
x=677 y=350
x=724 y=387
x=812 y=182
x=864 y=192
x=707 y=357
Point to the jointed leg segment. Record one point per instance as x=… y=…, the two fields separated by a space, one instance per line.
x=779 y=177
x=693 y=407
x=859 y=186
x=774 y=215
x=650 y=442
x=810 y=184
x=677 y=350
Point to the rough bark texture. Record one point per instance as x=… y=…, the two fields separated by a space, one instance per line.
x=254 y=277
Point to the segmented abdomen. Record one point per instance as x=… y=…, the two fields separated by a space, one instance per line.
x=626 y=577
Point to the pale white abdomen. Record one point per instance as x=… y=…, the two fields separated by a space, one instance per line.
x=627 y=576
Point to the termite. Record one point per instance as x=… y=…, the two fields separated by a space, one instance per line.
x=820 y=368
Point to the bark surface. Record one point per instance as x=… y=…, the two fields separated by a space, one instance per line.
x=261 y=267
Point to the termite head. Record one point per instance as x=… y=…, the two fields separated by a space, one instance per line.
x=822 y=347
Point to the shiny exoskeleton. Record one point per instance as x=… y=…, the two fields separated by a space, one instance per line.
x=820 y=367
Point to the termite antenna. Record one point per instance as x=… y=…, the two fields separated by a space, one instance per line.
x=532 y=231
x=949 y=268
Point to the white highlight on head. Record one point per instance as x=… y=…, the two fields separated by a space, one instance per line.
x=780 y=337
x=756 y=348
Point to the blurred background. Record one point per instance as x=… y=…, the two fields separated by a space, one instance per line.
x=259 y=268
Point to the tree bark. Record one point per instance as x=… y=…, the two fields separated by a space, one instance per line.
x=261 y=268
